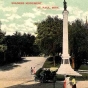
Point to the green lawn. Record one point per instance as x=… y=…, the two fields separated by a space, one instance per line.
x=49 y=63
x=83 y=67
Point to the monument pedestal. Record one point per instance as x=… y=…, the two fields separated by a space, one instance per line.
x=65 y=69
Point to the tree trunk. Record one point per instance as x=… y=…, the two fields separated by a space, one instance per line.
x=54 y=60
x=4 y=57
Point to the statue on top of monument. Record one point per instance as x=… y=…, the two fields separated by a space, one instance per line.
x=65 y=5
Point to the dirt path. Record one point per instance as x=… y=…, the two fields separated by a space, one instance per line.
x=20 y=72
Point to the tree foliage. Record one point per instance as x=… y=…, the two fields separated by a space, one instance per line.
x=50 y=35
x=16 y=46
x=78 y=37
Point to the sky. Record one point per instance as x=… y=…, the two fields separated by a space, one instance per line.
x=20 y=15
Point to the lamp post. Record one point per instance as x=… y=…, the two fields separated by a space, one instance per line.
x=54 y=81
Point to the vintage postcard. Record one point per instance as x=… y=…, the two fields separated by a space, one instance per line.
x=21 y=21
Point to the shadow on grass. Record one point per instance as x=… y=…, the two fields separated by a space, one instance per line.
x=38 y=85
x=13 y=65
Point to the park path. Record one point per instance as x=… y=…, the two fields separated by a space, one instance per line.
x=19 y=76
x=20 y=72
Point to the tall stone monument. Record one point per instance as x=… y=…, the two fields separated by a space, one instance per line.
x=65 y=68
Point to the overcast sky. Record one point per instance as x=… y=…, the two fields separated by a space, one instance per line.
x=20 y=15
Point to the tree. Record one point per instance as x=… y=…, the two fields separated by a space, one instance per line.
x=78 y=37
x=2 y=36
x=49 y=36
x=3 y=47
x=19 y=45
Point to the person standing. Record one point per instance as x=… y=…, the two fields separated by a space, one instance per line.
x=73 y=82
x=64 y=85
x=68 y=82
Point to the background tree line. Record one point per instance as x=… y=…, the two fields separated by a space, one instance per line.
x=49 y=38
x=48 y=41
x=12 y=48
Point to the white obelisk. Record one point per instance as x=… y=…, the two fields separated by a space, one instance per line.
x=65 y=51
x=65 y=68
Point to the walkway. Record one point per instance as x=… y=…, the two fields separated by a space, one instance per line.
x=20 y=72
